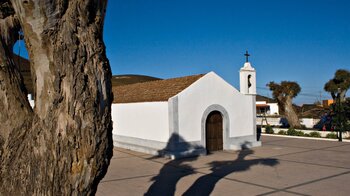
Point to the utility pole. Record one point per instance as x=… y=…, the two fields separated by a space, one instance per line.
x=339 y=116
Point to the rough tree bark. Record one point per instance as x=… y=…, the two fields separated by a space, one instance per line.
x=284 y=93
x=290 y=113
x=63 y=146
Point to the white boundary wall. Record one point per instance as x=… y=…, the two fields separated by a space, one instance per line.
x=322 y=133
x=276 y=121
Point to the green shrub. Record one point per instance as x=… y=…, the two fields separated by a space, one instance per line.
x=306 y=135
x=294 y=132
x=300 y=133
x=315 y=134
x=282 y=132
x=269 y=129
x=291 y=131
x=332 y=135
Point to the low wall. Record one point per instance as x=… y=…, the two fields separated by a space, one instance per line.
x=279 y=121
x=274 y=121
x=323 y=133
x=309 y=122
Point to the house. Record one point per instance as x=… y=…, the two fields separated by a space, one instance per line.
x=186 y=116
x=266 y=106
x=327 y=103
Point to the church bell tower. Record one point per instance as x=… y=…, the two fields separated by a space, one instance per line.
x=247 y=77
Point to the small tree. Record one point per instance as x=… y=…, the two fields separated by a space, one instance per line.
x=339 y=119
x=284 y=94
x=347 y=114
x=338 y=87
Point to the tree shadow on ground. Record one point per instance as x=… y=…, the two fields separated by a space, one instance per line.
x=220 y=169
x=171 y=173
x=165 y=182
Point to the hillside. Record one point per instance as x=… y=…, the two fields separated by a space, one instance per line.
x=119 y=80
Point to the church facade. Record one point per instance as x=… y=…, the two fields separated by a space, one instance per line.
x=186 y=116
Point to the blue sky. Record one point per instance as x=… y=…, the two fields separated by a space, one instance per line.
x=297 y=40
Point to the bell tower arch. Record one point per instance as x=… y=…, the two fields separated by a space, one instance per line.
x=247 y=75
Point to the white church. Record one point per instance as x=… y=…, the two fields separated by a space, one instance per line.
x=186 y=116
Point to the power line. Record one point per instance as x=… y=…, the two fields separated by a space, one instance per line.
x=317 y=94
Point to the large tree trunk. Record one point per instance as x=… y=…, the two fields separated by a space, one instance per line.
x=291 y=116
x=63 y=146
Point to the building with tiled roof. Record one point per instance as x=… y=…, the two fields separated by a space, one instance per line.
x=186 y=116
x=180 y=117
x=266 y=106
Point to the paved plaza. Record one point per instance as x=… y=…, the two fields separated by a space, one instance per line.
x=282 y=166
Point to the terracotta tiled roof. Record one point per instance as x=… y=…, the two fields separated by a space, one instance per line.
x=159 y=90
x=262 y=106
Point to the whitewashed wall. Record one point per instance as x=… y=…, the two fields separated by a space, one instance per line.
x=274 y=121
x=141 y=120
x=309 y=122
x=31 y=100
x=209 y=90
x=273 y=108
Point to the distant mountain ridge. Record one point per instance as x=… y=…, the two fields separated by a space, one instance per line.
x=119 y=80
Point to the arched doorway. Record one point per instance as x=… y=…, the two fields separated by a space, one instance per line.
x=214 y=131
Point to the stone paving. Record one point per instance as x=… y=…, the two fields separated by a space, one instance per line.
x=282 y=166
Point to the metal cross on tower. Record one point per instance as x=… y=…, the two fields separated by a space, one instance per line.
x=246 y=56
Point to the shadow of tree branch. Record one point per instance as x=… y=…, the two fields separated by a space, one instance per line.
x=172 y=172
x=220 y=169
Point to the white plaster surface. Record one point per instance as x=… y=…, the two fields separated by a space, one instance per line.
x=148 y=120
x=276 y=121
x=273 y=108
x=309 y=122
x=209 y=90
x=244 y=72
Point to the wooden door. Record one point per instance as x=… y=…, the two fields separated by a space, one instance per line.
x=214 y=131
